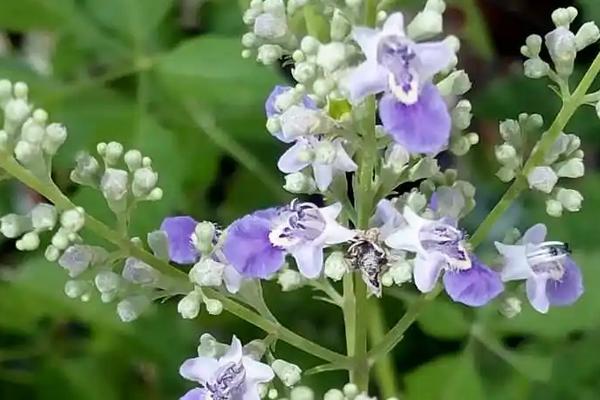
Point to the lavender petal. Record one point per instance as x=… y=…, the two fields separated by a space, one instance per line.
x=309 y=260
x=536 y=293
x=199 y=369
x=194 y=394
x=569 y=288
x=428 y=268
x=475 y=286
x=179 y=232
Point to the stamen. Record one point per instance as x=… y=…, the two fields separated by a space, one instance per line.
x=548 y=252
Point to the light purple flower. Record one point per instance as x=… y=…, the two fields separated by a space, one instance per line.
x=326 y=158
x=387 y=218
x=394 y=63
x=412 y=109
x=552 y=277
x=233 y=376
x=257 y=244
x=272 y=110
x=421 y=127
x=180 y=233
x=440 y=249
x=306 y=112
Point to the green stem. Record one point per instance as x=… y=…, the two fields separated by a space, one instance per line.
x=385 y=370
x=54 y=195
x=536 y=158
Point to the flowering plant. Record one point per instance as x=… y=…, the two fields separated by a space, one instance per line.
x=377 y=99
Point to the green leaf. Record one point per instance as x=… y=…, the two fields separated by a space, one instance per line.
x=444 y=320
x=25 y=15
x=475 y=30
x=446 y=378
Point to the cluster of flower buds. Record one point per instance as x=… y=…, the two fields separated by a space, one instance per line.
x=26 y=132
x=562 y=45
x=126 y=178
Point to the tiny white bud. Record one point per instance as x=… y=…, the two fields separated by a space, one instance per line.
x=510 y=307
x=189 y=306
x=461 y=115
x=416 y=200
x=204 y=235
x=309 y=45
x=73 y=220
x=76 y=259
x=331 y=56
x=298 y=56
x=425 y=25
x=14 y=225
x=144 y=180
x=207 y=272
x=114 y=185
x=52 y=253
x=535 y=68
x=302 y=393
x=562 y=17
x=336 y=266
x=401 y=272
x=554 y=208
x=586 y=35
x=507 y=155
x=350 y=390
x=542 y=179
x=570 y=199
x=60 y=240
x=386 y=279
x=304 y=72
x=21 y=90
x=299 y=183
x=334 y=394
x=269 y=26
x=44 y=217
x=133 y=159
x=534 y=45
x=563 y=50
x=572 y=168
x=113 y=152
x=289 y=374
x=132 y=307
x=506 y=174
x=28 y=242
x=455 y=84
x=139 y=272
x=269 y=53
x=290 y=280
x=56 y=134
x=107 y=281
x=213 y=306
x=273 y=125
x=155 y=195
x=75 y=289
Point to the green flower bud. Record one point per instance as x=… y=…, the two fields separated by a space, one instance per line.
x=207 y=272
x=132 y=307
x=189 y=306
x=542 y=179
x=213 y=306
x=334 y=394
x=510 y=307
x=570 y=199
x=302 y=393
x=425 y=25
x=271 y=27
x=536 y=68
x=455 y=84
x=204 y=235
x=572 y=168
x=269 y=53
x=107 y=281
x=299 y=183
x=28 y=242
x=554 y=208
x=586 y=35
x=289 y=374
x=14 y=225
x=336 y=266
x=290 y=280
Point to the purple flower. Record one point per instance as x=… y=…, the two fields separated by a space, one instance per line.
x=298 y=119
x=257 y=244
x=552 y=277
x=179 y=232
x=270 y=105
x=326 y=158
x=180 y=236
x=440 y=249
x=233 y=376
x=394 y=63
x=387 y=218
x=412 y=109
x=421 y=127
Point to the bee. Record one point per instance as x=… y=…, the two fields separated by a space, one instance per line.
x=367 y=256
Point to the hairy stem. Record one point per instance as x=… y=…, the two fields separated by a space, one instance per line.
x=54 y=195
x=570 y=105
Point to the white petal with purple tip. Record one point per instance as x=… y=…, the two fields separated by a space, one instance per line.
x=536 y=293
x=427 y=271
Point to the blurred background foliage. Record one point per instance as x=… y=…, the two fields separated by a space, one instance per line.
x=166 y=76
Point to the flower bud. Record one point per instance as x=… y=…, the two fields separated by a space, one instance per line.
x=331 y=56
x=76 y=259
x=533 y=45
x=416 y=200
x=506 y=174
x=73 y=220
x=75 y=289
x=299 y=183
x=204 y=236
x=33 y=132
x=189 y=306
x=309 y=45
x=304 y=72
x=16 y=112
x=87 y=170
x=401 y=272
x=563 y=50
x=44 y=217
x=323 y=87
x=289 y=374
x=255 y=349
x=396 y=158
x=350 y=390
x=334 y=394
x=113 y=152
x=535 y=68
x=14 y=225
x=56 y=134
x=28 y=242
x=572 y=168
x=302 y=393
x=425 y=25
x=542 y=179
x=586 y=35
x=133 y=159
x=269 y=53
x=570 y=199
x=271 y=27
x=510 y=307
x=213 y=306
x=455 y=84
x=107 y=281
x=31 y=157
x=138 y=272
x=298 y=121
x=290 y=280
x=144 y=180
x=461 y=115
x=207 y=272
x=114 y=184
x=336 y=266
x=386 y=279
x=52 y=253
x=132 y=307
x=507 y=155
x=562 y=17
x=209 y=347
x=340 y=26
x=425 y=168
x=554 y=208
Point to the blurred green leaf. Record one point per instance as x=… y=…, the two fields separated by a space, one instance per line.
x=446 y=378
x=475 y=29
x=444 y=320
x=23 y=15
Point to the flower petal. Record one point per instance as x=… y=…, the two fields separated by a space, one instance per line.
x=406 y=237
x=233 y=279
x=433 y=57
x=366 y=79
x=475 y=286
x=569 y=288
x=536 y=293
x=535 y=235
x=367 y=40
x=291 y=161
x=199 y=369
x=515 y=266
x=423 y=127
x=394 y=25
x=270 y=108
x=343 y=161
x=179 y=232
x=257 y=372
x=194 y=394
x=309 y=259
x=323 y=175
x=248 y=248
x=428 y=268
x=234 y=354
